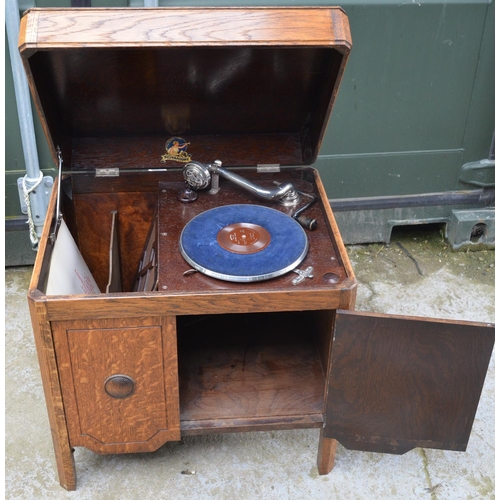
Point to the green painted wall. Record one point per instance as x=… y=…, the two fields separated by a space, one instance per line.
x=416 y=102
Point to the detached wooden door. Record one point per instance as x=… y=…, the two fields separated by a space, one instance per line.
x=397 y=383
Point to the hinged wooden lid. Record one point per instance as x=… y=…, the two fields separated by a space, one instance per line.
x=244 y=85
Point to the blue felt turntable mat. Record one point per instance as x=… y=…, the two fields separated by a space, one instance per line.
x=243 y=243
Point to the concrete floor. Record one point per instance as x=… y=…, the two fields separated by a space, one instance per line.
x=271 y=465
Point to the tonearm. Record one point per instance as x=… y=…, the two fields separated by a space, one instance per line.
x=199 y=176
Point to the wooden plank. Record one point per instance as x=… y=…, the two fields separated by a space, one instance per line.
x=238 y=149
x=171 y=375
x=327 y=447
x=335 y=235
x=222 y=426
x=401 y=382
x=220 y=302
x=42 y=261
x=187 y=27
x=131 y=132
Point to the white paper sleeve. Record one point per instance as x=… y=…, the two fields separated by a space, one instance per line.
x=68 y=273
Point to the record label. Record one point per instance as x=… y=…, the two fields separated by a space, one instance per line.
x=244 y=238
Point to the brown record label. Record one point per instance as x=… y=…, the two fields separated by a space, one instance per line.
x=244 y=238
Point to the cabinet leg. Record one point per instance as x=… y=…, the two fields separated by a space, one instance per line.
x=65 y=466
x=326 y=454
x=53 y=395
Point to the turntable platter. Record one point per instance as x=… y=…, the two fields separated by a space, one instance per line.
x=243 y=243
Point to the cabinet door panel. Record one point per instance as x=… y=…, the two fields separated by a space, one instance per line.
x=119 y=380
x=397 y=383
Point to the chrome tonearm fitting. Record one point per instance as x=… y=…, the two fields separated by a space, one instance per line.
x=200 y=176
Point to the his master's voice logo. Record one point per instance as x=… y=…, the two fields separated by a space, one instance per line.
x=176 y=150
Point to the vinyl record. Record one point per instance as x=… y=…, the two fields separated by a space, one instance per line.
x=243 y=243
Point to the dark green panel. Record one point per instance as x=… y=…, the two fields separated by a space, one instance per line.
x=481 y=119
x=52 y=3
x=14 y=159
x=358 y=176
x=26 y=4
x=409 y=79
x=12 y=203
x=18 y=251
x=110 y=3
x=412 y=85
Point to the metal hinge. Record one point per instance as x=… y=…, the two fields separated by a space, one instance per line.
x=268 y=167
x=107 y=172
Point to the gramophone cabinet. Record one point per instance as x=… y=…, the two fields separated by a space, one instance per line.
x=154 y=357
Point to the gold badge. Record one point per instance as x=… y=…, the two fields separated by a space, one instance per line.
x=176 y=150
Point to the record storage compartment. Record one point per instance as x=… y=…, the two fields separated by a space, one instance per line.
x=86 y=199
x=250 y=371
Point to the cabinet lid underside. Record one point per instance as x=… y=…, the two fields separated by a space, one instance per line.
x=247 y=86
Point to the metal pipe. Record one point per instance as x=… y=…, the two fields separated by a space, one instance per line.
x=33 y=176
x=12 y=21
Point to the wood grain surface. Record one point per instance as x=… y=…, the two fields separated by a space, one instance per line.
x=237 y=372
x=322 y=255
x=146 y=278
x=135 y=215
x=188 y=26
x=398 y=382
x=235 y=150
x=53 y=395
x=326 y=454
x=144 y=349
x=97 y=104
